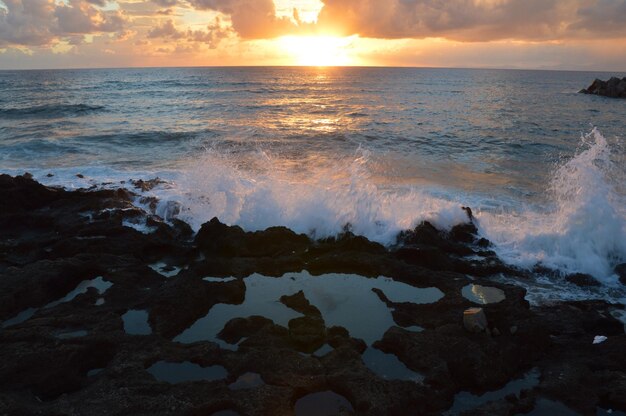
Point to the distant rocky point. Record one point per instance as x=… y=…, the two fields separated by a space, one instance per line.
x=614 y=88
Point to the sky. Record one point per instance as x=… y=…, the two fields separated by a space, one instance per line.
x=527 y=34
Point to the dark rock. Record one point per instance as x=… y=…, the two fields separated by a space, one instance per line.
x=469 y=213
x=51 y=239
x=620 y=271
x=483 y=242
x=425 y=234
x=299 y=303
x=307 y=333
x=21 y=193
x=429 y=257
x=146 y=185
x=239 y=328
x=582 y=280
x=614 y=88
x=216 y=238
x=464 y=233
x=80 y=175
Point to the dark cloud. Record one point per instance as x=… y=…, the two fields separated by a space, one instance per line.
x=166 y=3
x=603 y=17
x=39 y=22
x=99 y=3
x=476 y=20
x=166 y=30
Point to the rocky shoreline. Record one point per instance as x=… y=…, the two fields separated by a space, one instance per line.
x=613 y=88
x=71 y=270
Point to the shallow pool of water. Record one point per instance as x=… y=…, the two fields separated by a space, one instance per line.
x=483 y=295
x=465 y=401
x=186 y=371
x=136 y=322
x=164 y=269
x=388 y=366
x=71 y=334
x=345 y=300
x=97 y=283
x=247 y=381
x=323 y=403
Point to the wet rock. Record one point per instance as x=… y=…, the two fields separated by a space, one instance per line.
x=169 y=317
x=469 y=213
x=52 y=239
x=425 y=234
x=215 y=238
x=146 y=185
x=614 y=88
x=582 y=280
x=620 y=271
x=344 y=243
x=239 y=328
x=219 y=239
x=307 y=333
x=426 y=256
x=23 y=193
x=474 y=320
x=464 y=233
x=298 y=302
x=483 y=242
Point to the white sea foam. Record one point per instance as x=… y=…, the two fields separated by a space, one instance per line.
x=582 y=228
x=579 y=227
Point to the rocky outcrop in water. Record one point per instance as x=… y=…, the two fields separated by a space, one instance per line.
x=614 y=88
x=73 y=263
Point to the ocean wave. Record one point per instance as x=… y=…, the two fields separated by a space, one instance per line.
x=583 y=227
x=50 y=111
x=580 y=225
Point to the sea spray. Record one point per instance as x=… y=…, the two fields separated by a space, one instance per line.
x=261 y=191
x=583 y=226
x=580 y=226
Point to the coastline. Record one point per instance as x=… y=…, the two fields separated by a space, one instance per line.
x=54 y=240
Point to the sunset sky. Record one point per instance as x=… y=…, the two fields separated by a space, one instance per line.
x=543 y=34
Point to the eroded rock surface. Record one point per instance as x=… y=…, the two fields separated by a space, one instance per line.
x=51 y=240
x=614 y=88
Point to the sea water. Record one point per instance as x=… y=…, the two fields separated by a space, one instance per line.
x=315 y=149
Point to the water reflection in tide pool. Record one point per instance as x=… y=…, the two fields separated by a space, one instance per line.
x=136 y=322
x=98 y=283
x=344 y=300
x=483 y=294
x=388 y=366
x=324 y=403
x=181 y=372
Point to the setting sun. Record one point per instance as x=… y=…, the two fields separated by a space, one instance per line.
x=319 y=50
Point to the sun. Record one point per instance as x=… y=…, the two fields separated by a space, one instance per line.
x=319 y=50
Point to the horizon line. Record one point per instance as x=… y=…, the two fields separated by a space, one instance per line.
x=309 y=67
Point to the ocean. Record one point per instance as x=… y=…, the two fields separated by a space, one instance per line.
x=376 y=150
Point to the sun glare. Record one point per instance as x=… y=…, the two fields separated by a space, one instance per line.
x=318 y=50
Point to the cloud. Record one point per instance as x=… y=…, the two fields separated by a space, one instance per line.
x=475 y=20
x=251 y=19
x=40 y=22
x=166 y=3
x=606 y=17
x=213 y=35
